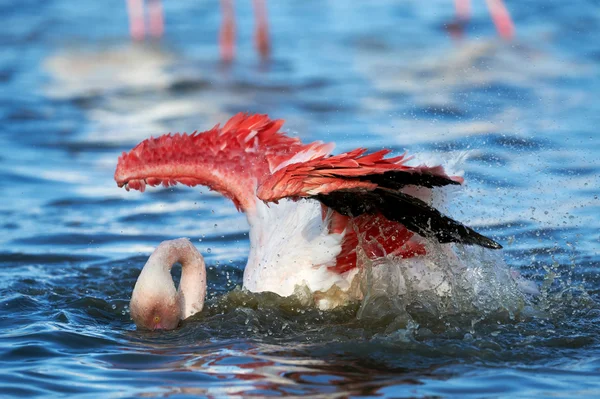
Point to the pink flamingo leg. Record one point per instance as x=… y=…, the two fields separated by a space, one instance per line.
x=501 y=18
x=463 y=9
x=157 y=20
x=135 y=10
x=261 y=37
x=227 y=34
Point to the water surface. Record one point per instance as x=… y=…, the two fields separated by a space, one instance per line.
x=75 y=93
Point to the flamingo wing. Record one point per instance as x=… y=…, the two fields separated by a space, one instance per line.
x=379 y=237
x=355 y=184
x=415 y=214
x=353 y=171
x=230 y=159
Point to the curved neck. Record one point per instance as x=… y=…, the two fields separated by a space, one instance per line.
x=192 y=287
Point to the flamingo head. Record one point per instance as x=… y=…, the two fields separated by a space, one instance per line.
x=156 y=306
x=155 y=303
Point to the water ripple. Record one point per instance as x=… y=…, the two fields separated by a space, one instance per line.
x=377 y=74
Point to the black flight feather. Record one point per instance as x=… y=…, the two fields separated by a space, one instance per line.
x=415 y=214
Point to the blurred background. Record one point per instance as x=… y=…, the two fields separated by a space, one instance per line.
x=80 y=84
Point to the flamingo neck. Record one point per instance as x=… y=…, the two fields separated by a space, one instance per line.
x=192 y=287
x=155 y=291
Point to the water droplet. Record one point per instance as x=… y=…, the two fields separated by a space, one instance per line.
x=113 y=306
x=208 y=250
x=216 y=225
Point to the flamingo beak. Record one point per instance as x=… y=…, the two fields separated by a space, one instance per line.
x=156 y=323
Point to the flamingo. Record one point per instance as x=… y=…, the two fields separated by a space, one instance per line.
x=310 y=213
x=137 y=24
x=135 y=11
x=498 y=12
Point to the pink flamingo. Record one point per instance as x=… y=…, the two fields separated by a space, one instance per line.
x=307 y=212
x=498 y=11
x=137 y=18
x=135 y=9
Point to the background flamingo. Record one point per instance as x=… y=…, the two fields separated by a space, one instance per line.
x=307 y=212
x=498 y=12
x=137 y=21
x=135 y=10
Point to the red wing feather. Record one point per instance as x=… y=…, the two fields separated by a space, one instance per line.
x=231 y=159
x=323 y=175
x=379 y=237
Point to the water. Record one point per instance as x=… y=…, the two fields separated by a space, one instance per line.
x=75 y=94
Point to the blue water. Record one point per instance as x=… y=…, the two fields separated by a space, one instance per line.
x=75 y=93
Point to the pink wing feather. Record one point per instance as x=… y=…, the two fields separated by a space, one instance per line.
x=323 y=175
x=232 y=159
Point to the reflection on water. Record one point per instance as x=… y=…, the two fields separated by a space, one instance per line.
x=523 y=114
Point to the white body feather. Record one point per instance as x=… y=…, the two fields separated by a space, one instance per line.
x=290 y=245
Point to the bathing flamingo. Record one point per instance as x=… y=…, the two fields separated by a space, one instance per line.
x=307 y=211
x=135 y=10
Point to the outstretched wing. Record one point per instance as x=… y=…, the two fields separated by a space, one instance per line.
x=355 y=184
x=379 y=237
x=351 y=171
x=231 y=159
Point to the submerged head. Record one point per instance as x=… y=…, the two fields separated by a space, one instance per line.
x=155 y=308
x=155 y=303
